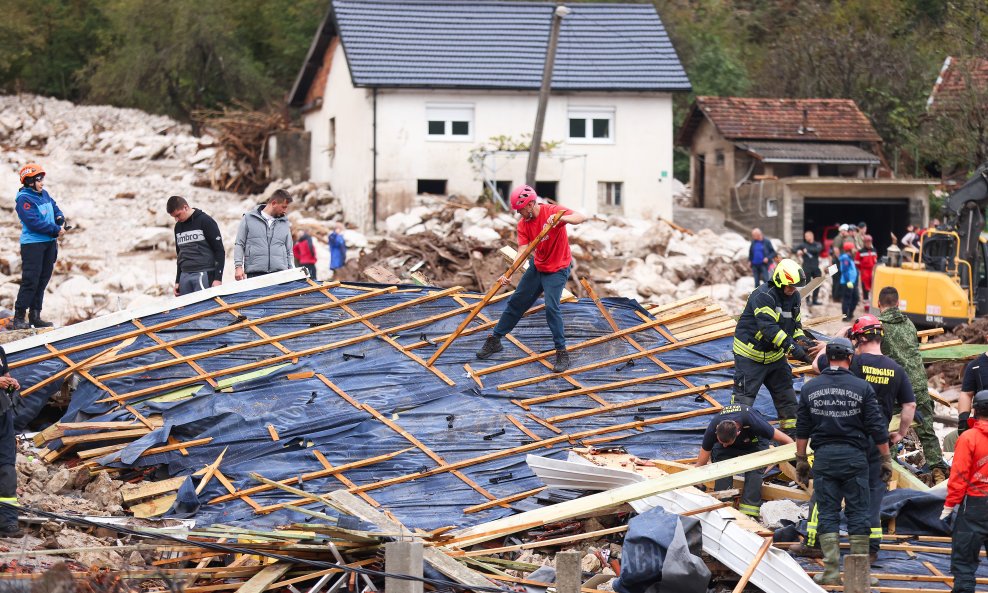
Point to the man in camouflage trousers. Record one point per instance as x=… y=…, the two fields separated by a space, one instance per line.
x=901 y=344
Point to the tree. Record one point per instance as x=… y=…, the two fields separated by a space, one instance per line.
x=175 y=56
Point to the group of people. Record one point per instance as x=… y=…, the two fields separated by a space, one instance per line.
x=866 y=377
x=853 y=249
x=264 y=244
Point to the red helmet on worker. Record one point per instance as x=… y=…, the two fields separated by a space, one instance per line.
x=522 y=196
x=848 y=246
x=31 y=170
x=866 y=325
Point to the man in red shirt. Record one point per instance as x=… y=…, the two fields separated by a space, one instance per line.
x=546 y=275
x=968 y=487
x=866 y=259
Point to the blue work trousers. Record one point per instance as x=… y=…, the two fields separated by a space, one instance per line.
x=533 y=284
x=840 y=473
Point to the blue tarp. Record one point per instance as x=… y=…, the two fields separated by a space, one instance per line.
x=309 y=416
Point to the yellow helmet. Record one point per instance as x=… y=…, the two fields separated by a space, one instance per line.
x=788 y=273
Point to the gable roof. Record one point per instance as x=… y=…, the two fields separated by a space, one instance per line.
x=961 y=80
x=497 y=45
x=806 y=120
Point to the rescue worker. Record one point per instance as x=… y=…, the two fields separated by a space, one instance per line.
x=809 y=250
x=838 y=412
x=769 y=329
x=975 y=379
x=42 y=224
x=866 y=260
x=739 y=430
x=968 y=488
x=902 y=345
x=893 y=391
x=8 y=451
x=849 y=281
x=546 y=275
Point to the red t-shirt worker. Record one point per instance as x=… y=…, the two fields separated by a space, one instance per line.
x=547 y=274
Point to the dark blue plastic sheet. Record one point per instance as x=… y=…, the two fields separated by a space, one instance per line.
x=309 y=416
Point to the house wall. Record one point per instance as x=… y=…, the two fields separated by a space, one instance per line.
x=640 y=156
x=348 y=165
x=718 y=174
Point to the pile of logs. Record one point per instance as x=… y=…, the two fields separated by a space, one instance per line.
x=241 y=135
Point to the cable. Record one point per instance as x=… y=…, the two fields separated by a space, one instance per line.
x=237 y=550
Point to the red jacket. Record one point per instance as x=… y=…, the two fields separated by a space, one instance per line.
x=303 y=251
x=969 y=470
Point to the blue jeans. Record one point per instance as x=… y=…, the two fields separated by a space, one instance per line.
x=533 y=284
x=760 y=272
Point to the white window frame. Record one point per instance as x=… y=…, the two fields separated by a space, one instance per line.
x=588 y=114
x=449 y=113
x=606 y=191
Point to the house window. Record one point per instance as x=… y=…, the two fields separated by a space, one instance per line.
x=449 y=121
x=431 y=186
x=591 y=125
x=609 y=194
x=331 y=141
x=719 y=157
x=548 y=190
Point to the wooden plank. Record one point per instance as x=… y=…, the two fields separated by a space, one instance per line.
x=518 y=424
x=643 y=400
x=754 y=564
x=134 y=492
x=83 y=364
x=269 y=574
x=493 y=503
x=343 y=479
x=769 y=491
x=624 y=494
x=105 y=436
x=168 y=348
x=717 y=327
x=154 y=507
x=273 y=433
x=511 y=255
x=433 y=555
x=210 y=471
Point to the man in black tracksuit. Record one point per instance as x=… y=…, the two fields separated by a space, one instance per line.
x=8 y=451
x=770 y=328
x=199 y=246
x=810 y=251
x=837 y=413
x=893 y=390
x=739 y=430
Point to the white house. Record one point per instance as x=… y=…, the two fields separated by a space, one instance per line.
x=401 y=98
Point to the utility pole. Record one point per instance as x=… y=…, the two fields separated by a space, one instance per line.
x=550 y=60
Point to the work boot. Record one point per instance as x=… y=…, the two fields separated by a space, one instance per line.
x=11 y=530
x=861 y=544
x=20 y=320
x=562 y=361
x=491 y=347
x=37 y=321
x=830 y=544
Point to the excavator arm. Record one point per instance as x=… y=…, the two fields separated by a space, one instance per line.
x=964 y=212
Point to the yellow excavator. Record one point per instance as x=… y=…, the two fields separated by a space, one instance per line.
x=945 y=281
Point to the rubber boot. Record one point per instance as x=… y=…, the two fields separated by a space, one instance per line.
x=20 y=320
x=830 y=544
x=35 y=319
x=860 y=545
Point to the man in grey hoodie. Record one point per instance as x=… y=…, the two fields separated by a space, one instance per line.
x=264 y=239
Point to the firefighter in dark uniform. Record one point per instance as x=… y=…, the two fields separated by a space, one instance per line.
x=8 y=451
x=837 y=414
x=739 y=430
x=769 y=329
x=975 y=379
x=893 y=390
x=967 y=490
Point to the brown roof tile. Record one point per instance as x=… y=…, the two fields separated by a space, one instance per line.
x=957 y=77
x=820 y=120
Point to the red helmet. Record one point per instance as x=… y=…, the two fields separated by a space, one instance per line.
x=848 y=246
x=866 y=324
x=522 y=196
x=30 y=170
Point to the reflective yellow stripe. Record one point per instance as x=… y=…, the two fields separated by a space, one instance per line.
x=750 y=509
x=749 y=351
x=811 y=524
x=799 y=316
x=787 y=423
x=768 y=311
x=780 y=337
x=876 y=533
x=11 y=501
x=798 y=333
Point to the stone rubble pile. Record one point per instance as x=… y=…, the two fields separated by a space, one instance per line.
x=111 y=171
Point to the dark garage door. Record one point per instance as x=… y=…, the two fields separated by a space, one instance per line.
x=883 y=217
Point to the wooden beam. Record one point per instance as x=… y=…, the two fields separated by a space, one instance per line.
x=624 y=494
x=268 y=575
x=754 y=564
